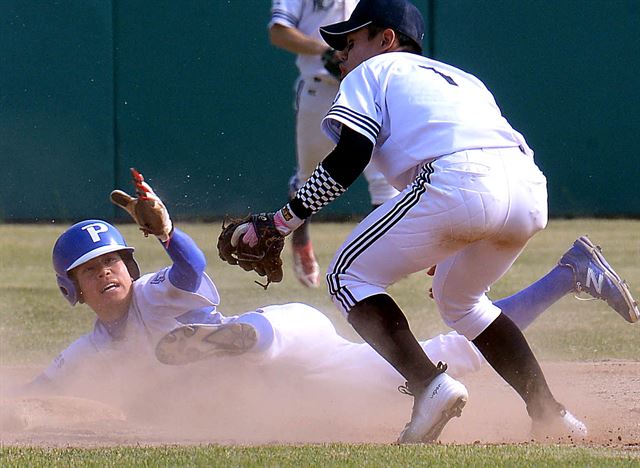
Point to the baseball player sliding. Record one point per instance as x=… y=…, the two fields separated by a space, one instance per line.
x=172 y=314
x=471 y=198
x=294 y=27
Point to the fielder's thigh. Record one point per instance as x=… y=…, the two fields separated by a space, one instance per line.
x=401 y=237
x=462 y=280
x=518 y=211
x=454 y=202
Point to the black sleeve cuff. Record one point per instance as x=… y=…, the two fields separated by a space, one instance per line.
x=299 y=209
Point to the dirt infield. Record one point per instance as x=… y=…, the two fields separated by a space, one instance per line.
x=602 y=394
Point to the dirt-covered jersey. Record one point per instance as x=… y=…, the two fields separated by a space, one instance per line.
x=153 y=312
x=414 y=110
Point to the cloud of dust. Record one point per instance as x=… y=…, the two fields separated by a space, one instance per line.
x=215 y=401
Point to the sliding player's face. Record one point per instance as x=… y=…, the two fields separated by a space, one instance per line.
x=105 y=285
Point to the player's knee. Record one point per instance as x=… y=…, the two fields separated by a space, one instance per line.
x=336 y=295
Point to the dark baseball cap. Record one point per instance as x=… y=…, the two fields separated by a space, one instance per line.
x=400 y=15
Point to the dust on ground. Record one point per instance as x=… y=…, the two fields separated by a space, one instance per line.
x=186 y=410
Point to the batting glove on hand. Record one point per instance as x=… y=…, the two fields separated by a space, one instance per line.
x=147 y=210
x=331 y=63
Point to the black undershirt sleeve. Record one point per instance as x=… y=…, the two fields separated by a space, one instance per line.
x=349 y=158
x=344 y=164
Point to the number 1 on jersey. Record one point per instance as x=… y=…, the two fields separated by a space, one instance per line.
x=447 y=78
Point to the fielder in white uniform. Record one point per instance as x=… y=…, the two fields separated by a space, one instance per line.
x=471 y=197
x=172 y=314
x=294 y=27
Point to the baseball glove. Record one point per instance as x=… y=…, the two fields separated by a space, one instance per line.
x=147 y=210
x=264 y=256
x=331 y=63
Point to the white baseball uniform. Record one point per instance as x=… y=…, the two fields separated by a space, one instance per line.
x=315 y=89
x=471 y=196
x=304 y=346
x=153 y=312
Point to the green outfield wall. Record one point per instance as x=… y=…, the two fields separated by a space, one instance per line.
x=193 y=95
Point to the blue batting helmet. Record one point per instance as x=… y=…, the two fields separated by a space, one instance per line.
x=85 y=241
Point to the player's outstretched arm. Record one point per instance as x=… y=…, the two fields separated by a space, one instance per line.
x=151 y=214
x=188 y=259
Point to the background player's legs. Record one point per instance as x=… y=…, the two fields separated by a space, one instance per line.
x=312 y=103
x=313 y=99
x=300 y=237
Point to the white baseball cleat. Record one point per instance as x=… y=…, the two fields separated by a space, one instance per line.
x=442 y=399
x=305 y=265
x=563 y=424
x=194 y=342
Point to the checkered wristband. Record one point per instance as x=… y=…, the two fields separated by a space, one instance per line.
x=320 y=190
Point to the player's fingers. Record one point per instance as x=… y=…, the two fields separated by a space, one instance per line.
x=143 y=189
x=137 y=177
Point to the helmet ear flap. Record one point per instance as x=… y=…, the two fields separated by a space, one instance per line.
x=130 y=263
x=68 y=289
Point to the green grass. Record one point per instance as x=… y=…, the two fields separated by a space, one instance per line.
x=36 y=323
x=333 y=455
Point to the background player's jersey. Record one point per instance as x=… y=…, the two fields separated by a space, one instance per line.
x=308 y=16
x=450 y=111
x=155 y=310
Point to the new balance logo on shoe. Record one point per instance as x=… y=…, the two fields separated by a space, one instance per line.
x=593 y=275
x=595 y=279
